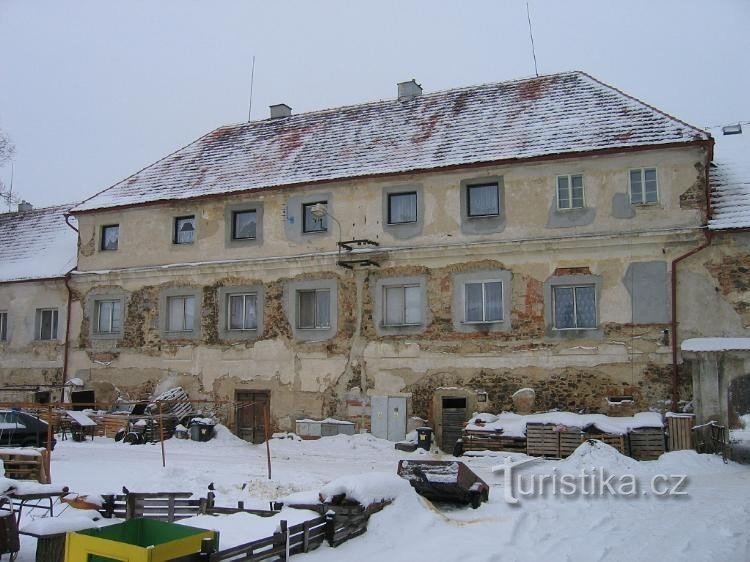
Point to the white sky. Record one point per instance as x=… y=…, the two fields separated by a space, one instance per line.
x=92 y=91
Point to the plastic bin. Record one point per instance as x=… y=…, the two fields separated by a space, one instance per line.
x=201 y=432
x=424 y=438
x=136 y=540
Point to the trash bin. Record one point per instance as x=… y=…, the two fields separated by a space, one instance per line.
x=201 y=432
x=424 y=438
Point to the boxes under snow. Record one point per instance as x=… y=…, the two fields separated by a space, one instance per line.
x=314 y=429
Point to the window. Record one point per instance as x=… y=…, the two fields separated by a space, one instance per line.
x=242 y=311
x=483 y=200
x=181 y=313
x=46 y=322
x=3 y=326
x=483 y=301
x=313 y=309
x=643 y=186
x=402 y=207
x=110 y=237
x=311 y=223
x=108 y=316
x=402 y=305
x=574 y=307
x=184 y=230
x=244 y=225
x=570 y=192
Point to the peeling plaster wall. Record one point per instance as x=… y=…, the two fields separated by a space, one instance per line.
x=336 y=376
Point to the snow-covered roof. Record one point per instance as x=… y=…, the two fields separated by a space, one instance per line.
x=716 y=344
x=536 y=117
x=36 y=244
x=730 y=182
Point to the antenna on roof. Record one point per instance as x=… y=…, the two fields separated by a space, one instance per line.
x=252 y=79
x=531 y=35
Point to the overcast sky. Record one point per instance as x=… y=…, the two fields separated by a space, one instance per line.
x=92 y=91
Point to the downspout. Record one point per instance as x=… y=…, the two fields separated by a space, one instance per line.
x=709 y=235
x=67 y=316
x=67 y=331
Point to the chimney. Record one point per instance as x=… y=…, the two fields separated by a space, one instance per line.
x=280 y=110
x=409 y=90
x=25 y=206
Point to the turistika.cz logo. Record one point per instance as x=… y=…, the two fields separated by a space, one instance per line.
x=590 y=482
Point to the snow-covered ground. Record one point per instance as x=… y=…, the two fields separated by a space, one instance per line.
x=709 y=522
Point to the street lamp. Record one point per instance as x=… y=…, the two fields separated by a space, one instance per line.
x=320 y=210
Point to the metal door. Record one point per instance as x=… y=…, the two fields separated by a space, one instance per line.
x=388 y=417
x=251 y=414
x=453 y=418
x=396 y=418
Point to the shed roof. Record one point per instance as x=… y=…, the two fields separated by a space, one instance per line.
x=36 y=244
x=730 y=182
x=536 y=117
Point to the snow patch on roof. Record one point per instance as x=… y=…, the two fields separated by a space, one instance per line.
x=730 y=182
x=37 y=244
x=716 y=344
x=561 y=113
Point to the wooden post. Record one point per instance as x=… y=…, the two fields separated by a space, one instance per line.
x=161 y=437
x=330 y=531
x=306 y=536
x=267 y=420
x=285 y=535
x=48 y=459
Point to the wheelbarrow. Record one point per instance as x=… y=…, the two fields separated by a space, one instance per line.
x=445 y=481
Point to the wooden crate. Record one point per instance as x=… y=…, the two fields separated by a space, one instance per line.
x=616 y=440
x=570 y=439
x=474 y=440
x=542 y=440
x=647 y=443
x=680 y=431
x=20 y=466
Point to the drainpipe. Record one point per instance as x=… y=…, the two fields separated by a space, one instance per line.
x=67 y=317
x=708 y=234
x=67 y=332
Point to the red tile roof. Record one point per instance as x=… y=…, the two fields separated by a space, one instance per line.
x=536 y=117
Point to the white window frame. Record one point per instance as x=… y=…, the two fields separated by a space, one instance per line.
x=3 y=325
x=316 y=322
x=98 y=317
x=483 y=282
x=569 y=190
x=244 y=296
x=55 y=320
x=184 y=330
x=575 y=306
x=403 y=287
x=642 y=173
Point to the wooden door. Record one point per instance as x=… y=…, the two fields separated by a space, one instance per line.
x=251 y=406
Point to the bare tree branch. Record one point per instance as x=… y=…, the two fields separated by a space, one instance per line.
x=6 y=154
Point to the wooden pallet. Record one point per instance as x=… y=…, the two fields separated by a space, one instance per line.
x=474 y=440
x=680 y=431
x=542 y=440
x=570 y=439
x=20 y=466
x=647 y=443
x=616 y=440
